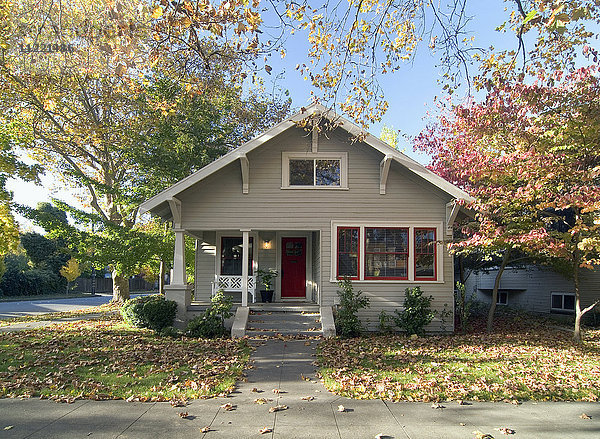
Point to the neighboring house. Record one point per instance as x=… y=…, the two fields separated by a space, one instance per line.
x=317 y=206
x=536 y=289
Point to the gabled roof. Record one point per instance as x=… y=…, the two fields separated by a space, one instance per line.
x=160 y=201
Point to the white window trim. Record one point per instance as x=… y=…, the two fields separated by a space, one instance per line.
x=439 y=262
x=285 y=169
x=560 y=293
x=498 y=298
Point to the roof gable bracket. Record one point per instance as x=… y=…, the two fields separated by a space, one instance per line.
x=452 y=209
x=384 y=170
x=315 y=137
x=245 y=167
x=175 y=206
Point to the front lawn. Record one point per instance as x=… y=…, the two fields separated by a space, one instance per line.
x=518 y=363
x=107 y=359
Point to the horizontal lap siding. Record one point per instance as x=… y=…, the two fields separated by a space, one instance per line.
x=218 y=203
x=205 y=266
x=538 y=283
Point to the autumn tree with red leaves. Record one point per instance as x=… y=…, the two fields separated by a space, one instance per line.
x=530 y=156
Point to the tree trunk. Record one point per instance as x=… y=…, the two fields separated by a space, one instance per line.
x=161 y=277
x=490 y=319
x=120 y=287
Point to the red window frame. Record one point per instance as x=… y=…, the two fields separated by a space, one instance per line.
x=407 y=229
x=434 y=253
x=338 y=276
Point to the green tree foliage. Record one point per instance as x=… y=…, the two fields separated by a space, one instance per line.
x=114 y=122
x=347 y=322
x=417 y=312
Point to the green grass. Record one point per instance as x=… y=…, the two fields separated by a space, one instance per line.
x=107 y=359
x=518 y=363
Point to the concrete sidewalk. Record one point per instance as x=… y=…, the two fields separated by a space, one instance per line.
x=286 y=365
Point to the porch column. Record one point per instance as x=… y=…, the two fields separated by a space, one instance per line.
x=245 y=260
x=179 y=274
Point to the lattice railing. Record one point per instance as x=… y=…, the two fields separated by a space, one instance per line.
x=233 y=284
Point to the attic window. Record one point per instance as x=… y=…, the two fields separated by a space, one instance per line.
x=314 y=171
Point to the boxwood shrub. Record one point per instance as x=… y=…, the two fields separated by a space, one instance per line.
x=153 y=312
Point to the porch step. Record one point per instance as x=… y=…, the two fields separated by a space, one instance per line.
x=295 y=323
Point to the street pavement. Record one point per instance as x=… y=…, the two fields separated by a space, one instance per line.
x=9 y=310
x=286 y=367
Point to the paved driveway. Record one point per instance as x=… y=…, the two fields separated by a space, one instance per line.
x=33 y=307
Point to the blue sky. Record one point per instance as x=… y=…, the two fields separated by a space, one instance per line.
x=410 y=91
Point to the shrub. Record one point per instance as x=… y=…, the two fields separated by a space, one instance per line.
x=347 y=322
x=153 y=312
x=211 y=324
x=417 y=312
x=30 y=282
x=385 y=323
x=463 y=306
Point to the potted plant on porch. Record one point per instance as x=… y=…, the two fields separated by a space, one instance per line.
x=267 y=277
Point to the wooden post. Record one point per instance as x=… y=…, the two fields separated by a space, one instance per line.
x=245 y=259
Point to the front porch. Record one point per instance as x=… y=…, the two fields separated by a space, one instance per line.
x=230 y=260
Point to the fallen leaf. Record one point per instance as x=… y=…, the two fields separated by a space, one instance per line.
x=183 y=415
x=462 y=424
x=262 y=400
x=341 y=408
x=584 y=416
x=505 y=430
x=178 y=402
x=8 y=427
x=304 y=378
x=255 y=390
x=480 y=435
x=308 y=398
x=437 y=405
x=265 y=430
x=205 y=429
x=307 y=343
x=278 y=408
x=229 y=406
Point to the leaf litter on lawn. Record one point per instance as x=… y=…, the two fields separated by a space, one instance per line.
x=520 y=361
x=107 y=359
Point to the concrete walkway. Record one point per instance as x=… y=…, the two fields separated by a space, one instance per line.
x=286 y=365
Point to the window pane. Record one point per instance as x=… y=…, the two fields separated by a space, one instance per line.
x=386 y=253
x=231 y=256
x=347 y=252
x=347 y=265
x=569 y=302
x=302 y=173
x=557 y=301
x=424 y=266
x=328 y=173
x=425 y=254
x=386 y=265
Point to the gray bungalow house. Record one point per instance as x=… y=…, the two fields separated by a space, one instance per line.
x=316 y=206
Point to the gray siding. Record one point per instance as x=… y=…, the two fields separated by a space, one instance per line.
x=532 y=288
x=217 y=203
x=316 y=266
x=205 y=266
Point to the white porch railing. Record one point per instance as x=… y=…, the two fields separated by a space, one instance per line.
x=233 y=284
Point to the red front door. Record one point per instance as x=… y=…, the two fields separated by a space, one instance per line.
x=293 y=268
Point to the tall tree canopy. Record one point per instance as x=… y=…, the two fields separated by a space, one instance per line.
x=350 y=45
x=109 y=118
x=529 y=155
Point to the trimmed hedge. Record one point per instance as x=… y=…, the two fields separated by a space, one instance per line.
x=153 y=312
